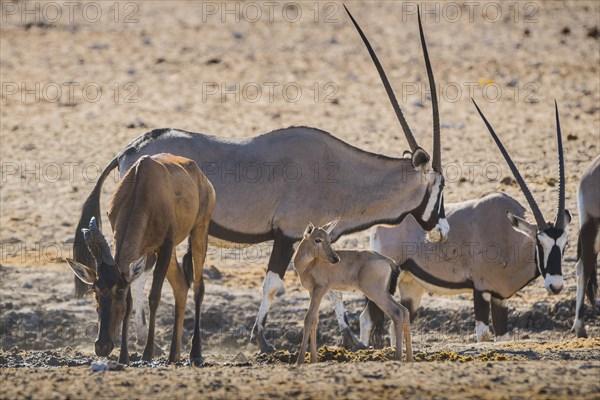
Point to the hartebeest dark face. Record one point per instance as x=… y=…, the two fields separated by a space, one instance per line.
x=110 y=286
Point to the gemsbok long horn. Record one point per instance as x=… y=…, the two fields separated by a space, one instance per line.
x=537 y=213
x=560 y=213
x=436 y=163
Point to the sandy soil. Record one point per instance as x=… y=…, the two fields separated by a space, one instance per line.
x=169 y=66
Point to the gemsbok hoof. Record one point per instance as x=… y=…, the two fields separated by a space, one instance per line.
x=196 y=361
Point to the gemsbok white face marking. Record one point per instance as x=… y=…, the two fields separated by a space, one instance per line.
x=550 y=259
x=433 y=198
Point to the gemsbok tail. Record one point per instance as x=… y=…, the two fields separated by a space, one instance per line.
x=91 y=208
x=394 y=278
x=376 y=337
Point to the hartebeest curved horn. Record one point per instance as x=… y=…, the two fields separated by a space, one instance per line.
x=537 y=213
x=436 y=162
x=388 y=88
x=560 y=213
x=96 y=242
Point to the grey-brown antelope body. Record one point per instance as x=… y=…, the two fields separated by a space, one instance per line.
x=321 y=269
x=492 y=251
x=262 y=183
x=159 y=202
x=588 y=245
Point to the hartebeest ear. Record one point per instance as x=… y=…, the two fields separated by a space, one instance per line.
x=86 y=274
x=328 y=227
x=309 y=229
x=136 y=268
x=521 y=225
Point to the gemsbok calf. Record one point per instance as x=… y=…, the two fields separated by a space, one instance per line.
x=261 y=183
x=588 y=243
x=159 y=202
x=492 y=251
x=322 y=269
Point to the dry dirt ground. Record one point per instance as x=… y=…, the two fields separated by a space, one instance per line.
x=81 y=80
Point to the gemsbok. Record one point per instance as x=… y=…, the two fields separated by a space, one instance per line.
x=262 y=184
x=492 y=251
x=588 y=243
x=159 y=202
x=322 y=269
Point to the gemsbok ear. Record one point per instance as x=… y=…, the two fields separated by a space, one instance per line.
x=328 y=227
x=521 y=225
x=309 y=229
x=85 y=274
x=568 y=217
x=136 y=268
x=419 y=158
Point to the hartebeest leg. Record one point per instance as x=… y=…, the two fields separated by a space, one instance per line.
x=124 y=354
x=310 y=319
x=481 y=301
x=281 y=255
x=160 y=271
x=179 y=284
x=349 y=341
x=137 y=293
x=199 y=242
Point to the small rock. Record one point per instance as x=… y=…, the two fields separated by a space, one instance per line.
x=566 y=31
x=99 y=46
x=238 y=35
x=213 y=61
x=28 y=147
x=593 y=32
x=27 y=285
x=571 y=137
x=160 y=60
x=508 y=181
x=138 y=123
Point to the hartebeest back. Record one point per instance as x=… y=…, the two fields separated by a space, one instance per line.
x=159 y=202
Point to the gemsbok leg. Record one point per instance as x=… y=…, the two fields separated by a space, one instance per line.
x=500 y=318
x=481 y=301
x=588 y=248
x=281 y=255
x=349 y=341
